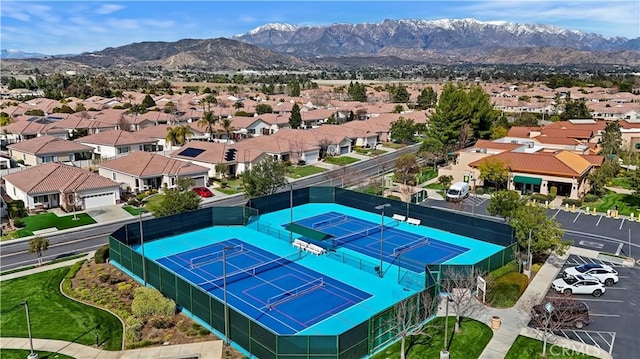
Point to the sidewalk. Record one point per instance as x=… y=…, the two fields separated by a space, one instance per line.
x=203 y=350
x=514 y=321
x=46 y=267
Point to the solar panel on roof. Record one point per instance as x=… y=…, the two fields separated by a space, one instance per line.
x=190 y=152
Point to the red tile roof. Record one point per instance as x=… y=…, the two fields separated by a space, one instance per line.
x=145 y=164
x=563 y=163
x=49 y=145
x=55 y=178
x=116 y=138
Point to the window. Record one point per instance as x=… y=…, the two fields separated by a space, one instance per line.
x=97 y=148
x=113 y=176
x=638 y=146
x=40 y=199
x=46 y=159
x=123 y=150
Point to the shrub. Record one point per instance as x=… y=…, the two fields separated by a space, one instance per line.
x=160 y=322
x=18 y=223
x=133 y=201
x=506 y=290
x=480 y=190
x=539 y=197
x=102 y=254
x=149 y=301
x=133 y=325
x=75 y=268
x=571 y=202
x=141 y=196
x=104 y=277
x=553 y=192
x=394 y=197
x=507 y=268
x=590 y=198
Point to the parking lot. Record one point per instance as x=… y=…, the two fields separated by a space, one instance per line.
x=615 y=316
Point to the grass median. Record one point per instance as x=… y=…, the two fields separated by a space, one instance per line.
x=527 y=348
x=54 y=316
x=21 y=354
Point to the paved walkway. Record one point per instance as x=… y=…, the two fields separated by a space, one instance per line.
x=203 y=350
x=514 y=321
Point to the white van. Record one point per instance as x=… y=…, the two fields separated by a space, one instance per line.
x=458 y=191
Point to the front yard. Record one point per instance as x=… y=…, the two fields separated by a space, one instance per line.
x=38 y=222
x=304 y=171
x=341 y=160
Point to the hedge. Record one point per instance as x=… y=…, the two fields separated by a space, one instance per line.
x=506 y=290
x=571 y=202
x=102 y=254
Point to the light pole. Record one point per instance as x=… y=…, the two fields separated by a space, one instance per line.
x=144 y=267
x=475 y=198
x=224 y=294
x=290 y=210
x=444 y=353
x=32 y=354
x=381 y=208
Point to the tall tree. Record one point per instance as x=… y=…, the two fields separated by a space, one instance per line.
x=399 y=94
x=406 y=169
x=402 y=130
x=450 y=113
x=357 y=92
x=295 y=88
x=264 y=178
x=427 y=98
x=38 y=245
x=227 y=127
x=207 y=121
x=494 y=170
x=546 y=232
x=178 y=135
x=432 y=150
x=409 y=317
x=611 y=139
x=177 y=200
x=504 y=204
x=295 y=120
x=575 y=109
x=148 y=101
x=482 y=114
x=263 y=108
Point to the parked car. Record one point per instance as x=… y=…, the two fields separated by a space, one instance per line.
x=202 y=191
x=578 y=284
x=604 y=273
x=565 y=313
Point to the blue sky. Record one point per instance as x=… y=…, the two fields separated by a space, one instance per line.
x=59 y=27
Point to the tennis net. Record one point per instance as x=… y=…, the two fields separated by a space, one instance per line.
x=330 y=221
x=241 y=274
x=410 y=246
x=295 y=292
x=216 y=256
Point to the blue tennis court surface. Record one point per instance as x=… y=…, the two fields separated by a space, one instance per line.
x=274 y=290
x=408 y=250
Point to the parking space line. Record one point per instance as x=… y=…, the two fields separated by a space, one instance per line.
x=599 y=219
x=555 y=214
x=581 y=335
x=621 y=223
x=619 y=248
x=616 y=288
x=605 y=315
x=594 y=342
x=591 y=300
x=575 y=219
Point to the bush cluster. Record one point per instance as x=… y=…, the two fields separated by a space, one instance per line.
x=102 y=254
x=539 y=197
x=590 y=198
x=149 y=301
x=571 y=202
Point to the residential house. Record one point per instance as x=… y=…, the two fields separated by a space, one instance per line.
x=114 y=143
x=53 y=185
x=139 y=171
x=160 y=132
x=47 y=148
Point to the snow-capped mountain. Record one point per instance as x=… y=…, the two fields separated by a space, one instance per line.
x=396 y=37
x=17 y=54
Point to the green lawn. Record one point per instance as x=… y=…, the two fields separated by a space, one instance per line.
x=527 y=348
x=626 y=203
x=304 y=171
x=233 y=186
x=622 y=182
x=341 y=161
x=21 y=354
x=435 y=185
x=53 y=316
x=49 y=220
x=368 y=151
x=395 y=146
x=134 y=211
x=468 y=344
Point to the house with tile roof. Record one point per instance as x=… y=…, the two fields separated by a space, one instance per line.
x=115 y=143
x=140 y=171
x=160 y=132
x=47 y=148
x=53 y=185
x=533 y=167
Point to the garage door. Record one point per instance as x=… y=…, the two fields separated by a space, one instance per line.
x=98 y=200
x=199 y=182
x=344 y=150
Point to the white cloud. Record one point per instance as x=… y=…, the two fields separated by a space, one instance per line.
x=165 y=24
x=106 y=9
x=119 y=24
x=24 y=11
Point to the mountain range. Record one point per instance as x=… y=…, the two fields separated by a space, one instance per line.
x=387 y=43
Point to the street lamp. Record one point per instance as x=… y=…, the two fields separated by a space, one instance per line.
x=32 y=354
x=444 y=353
x=475 y=197
x=224 y=294
x=381 y=208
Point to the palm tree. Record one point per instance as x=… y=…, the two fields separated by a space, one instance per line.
x=203 y=102
x=227 y=127
x=178 y=135
x=238 y=105
x=208 y=120
x=38 y=245
x=210 y=99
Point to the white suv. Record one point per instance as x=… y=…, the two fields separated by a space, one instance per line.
x=579 y=284
x=604 y=273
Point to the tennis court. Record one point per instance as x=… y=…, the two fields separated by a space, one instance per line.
x=409 y=250
x=276 y=291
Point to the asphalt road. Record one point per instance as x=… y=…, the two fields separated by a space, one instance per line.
x=14 y=254
x=619 y=236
